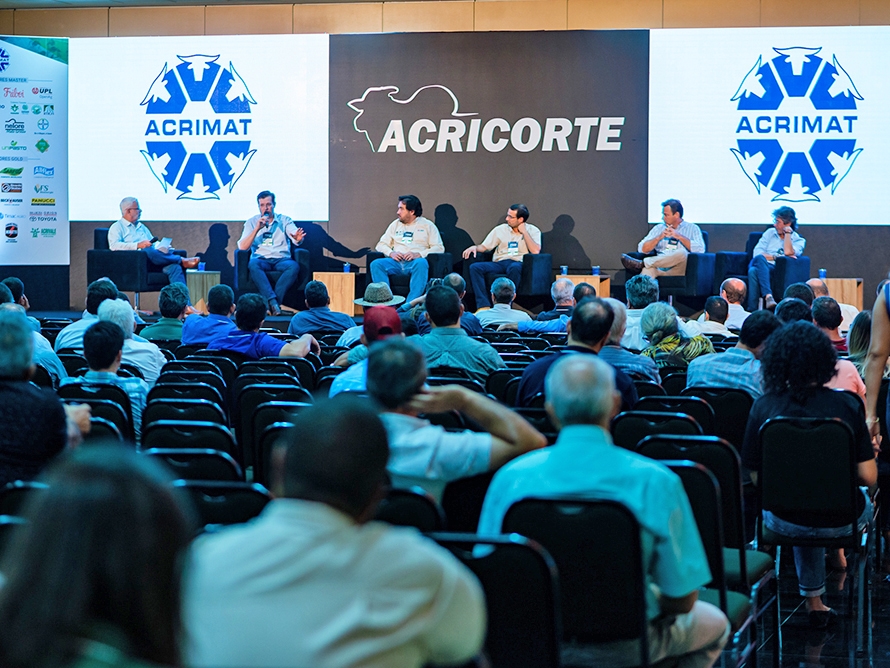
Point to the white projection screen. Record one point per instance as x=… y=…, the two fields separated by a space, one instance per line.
x=742 y=121
x=195 y=127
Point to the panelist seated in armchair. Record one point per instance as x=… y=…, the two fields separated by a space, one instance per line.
x=511 y=241
x=671 y=241
x=781 y=239
x=130 y=234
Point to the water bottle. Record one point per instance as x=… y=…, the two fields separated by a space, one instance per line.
x=595 y=270
x=823 y=274
x=564 y=269
x=346 y=267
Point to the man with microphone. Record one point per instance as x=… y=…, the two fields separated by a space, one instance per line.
x=269 y=234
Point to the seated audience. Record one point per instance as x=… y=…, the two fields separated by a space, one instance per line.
x=33 y=426
x=17 y=289
x=798 y=363
x=448 y=345
x=503 y=292
x=556 y=325
x=827 y=317
x=800 y=291
x=173 y=303
x=716 y=312
x=376 y=294
x=561 y=292
x=380 y=323
x=737 y=367
x=668 y=346
x=621 y=358
x=319 y=317
x=848 y=311
x=859 y=341
x=581 y=401
x=313 y=582
x=109 y=534
x=44 y=356
x=589 y=329
x=735 y=292
x=103 y=345
x=249 y=341
x=197 y=329
x=468 y=322
x=425 y=454
x=144 y=355
x=97 y=292
x=641 y=291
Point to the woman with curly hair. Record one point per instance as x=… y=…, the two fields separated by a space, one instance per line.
x=797 y=362
x=668 y=346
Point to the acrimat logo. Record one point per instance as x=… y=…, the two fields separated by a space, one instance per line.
x=431 y=119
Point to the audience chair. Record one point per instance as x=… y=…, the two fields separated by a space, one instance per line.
x=697 y=408
x=112 y=412
x=248 y=401
x=734 y=264
x=13 y=495
x=511 y=391
x=537 y=273
x=182 y=434
x=86 y=392
x=646 y=388
x=255 y=424
x=517 y=360
x=193 y=364
x=330 y=354
x=731 y=408
x=324 y=378
x=130 y=371
x=509 y=346
x=521 y=589
x=225 y=367
x=198 y=463
x=554 y=338
x=497 y=381
x=493 y=336
x=673 y=380
x=540 y=420
x=102 y=430
x=462 y=501
x=474 y=385
x=192 y=410
x=75 y=364
x=305 y=368
x=225 y=502
x=440 y=265
x=264 y=445
x=9 y=525
x=192 y=377
x=42 y=378
x=182 y=391
x=185 y=350
x=534 y=343
x=236 y=358
x=445 y=371
x=412 y=507
x=269 y=366
x=631 y=427
x=602 y=586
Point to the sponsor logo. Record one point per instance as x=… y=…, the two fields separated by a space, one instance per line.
x=43 y=232
x=797 y=122
x=48 y=109
x=15 y=146
x=42 y=189
x=11 y=171
x=43 y=124
x=12 y=230
x=42 y=217
x=13 y=108
x=12 y=92
x=10 y=187
x=14 y=79
x=4 y=60
x=43 y=201
x=45 y=172
x=12 y=158
x=42 y=92
x=187 y=105
x=35 y=109
x=430 y=120
x=13 y=126
x=42 y=145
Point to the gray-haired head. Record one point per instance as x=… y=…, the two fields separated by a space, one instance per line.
x=619 y=323
x=580 y=389
x=641 y=291
x=120 y=313
x=503 y=290
x=396 y=372
x=562 y=290
x=126 y=203
x=16 y=345
x=659 y=321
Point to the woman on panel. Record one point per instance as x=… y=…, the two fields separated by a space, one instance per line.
x=781 y=239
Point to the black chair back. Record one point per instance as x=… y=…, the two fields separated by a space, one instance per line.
x=193 y=410
x=182 y=434
x=13 y=495
x=305 y=368
x=226 y=367
x=263 y=447
x=411 y=508
x=540 y=420
x=183 y=391
x=102 y=430
x=185 y=376
x=198 y=463
x=42 y=377
x=268 y=366
x=184 y=350
x=462 y=501
x=673 y=382
x=75 y=364
x=225 y=502
x=697 y=408
x=474 y=385
x=498 y=337
x=192 y=365
x=731 y=408
x=496 y=383
x=646 y=388
x=631 y=427
x=111 y=411
x=255 y=424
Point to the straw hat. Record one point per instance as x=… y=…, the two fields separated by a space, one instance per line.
x=379 y=294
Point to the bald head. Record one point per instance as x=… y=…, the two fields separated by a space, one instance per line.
x=818 y=286
x=580 y=389
x=734 y=291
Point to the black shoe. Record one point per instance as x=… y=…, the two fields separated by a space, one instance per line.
x=631 y=263
x=822 y=619
x=274 y=308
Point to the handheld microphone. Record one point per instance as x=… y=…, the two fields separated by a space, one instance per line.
x=154 y=239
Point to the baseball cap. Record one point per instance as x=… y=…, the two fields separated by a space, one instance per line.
x=381 y=322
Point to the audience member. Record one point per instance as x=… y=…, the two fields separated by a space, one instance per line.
x=735 y=292
x=32 y=420
x=173 y=303
x=581 y=401
x=319 y=316
x=448 y=345
x=588 y=330
x=562 y=294
x=859 y=341
x=876 y=361
x=376 y=294
x=95 y=579
x=503 y=292
x=667 y=345
x=556 y=325
x=17 y=289
x=312 y=582
x=198 y=329
x=103 y=345
x=738 y=367
x=798 y=363
x=642 y=290
x=144 y=355
x=827 y=317
x=428 y=455
x=633 y=364
x=97 y=292
x=848 y=311
x=44 y=356
x=249 y=341
x=380 y=323
x=468 y=322
x=715 y=315
x=800 y=291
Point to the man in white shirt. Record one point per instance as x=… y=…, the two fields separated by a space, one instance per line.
x=734 y=291
x=848 y=311
x=313 y=582
x=503 y=292
x=269 y=235
x=671 y=241
x=511 y=241
x=406 y=243
x=144 y=355
x=130 y=234
x=716 y=312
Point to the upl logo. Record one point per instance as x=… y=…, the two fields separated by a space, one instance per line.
x=796 y=126
x=197 y=134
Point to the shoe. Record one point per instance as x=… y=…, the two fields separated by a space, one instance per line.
x=769 y=303
x=287 y=310
x=189 y=262
x=631 y=263
x=274 y=309
x=822 y=619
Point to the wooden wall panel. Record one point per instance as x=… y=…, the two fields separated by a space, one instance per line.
x=339 y=18
x=139 y=21
x=428 y=16
x=521 y=15
x=248 y=19
x=81 y=22
x=710 y=14
x=608 y=15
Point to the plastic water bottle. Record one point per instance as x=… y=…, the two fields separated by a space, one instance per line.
x=823 y=274
x=595 y=270
x=346 y=268
x=564 y=269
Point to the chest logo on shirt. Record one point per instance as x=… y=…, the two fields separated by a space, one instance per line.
x=188 y=105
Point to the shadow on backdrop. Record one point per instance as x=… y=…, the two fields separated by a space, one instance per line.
x=317 y=240
x=217 y=254
x=454 y=238
x=564 y=247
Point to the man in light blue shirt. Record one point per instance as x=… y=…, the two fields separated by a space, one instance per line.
x=97 y=292
x=584 y=463
x=380 y=323
x=671 y=241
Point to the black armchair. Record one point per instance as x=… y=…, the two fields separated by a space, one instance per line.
x=734 y=264
x=440 y=266
x=130 y=270
x=698 y=280
x=293 y=298
x=537 y=273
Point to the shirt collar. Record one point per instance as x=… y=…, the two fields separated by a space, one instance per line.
x=448 y=331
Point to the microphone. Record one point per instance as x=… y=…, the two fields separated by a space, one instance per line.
x=154 y=240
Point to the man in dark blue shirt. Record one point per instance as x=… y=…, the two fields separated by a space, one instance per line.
x=319 y=316
x=206 y=328
x=588 y=331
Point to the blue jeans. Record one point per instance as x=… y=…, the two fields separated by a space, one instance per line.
x=478 y=271
x=170 y=263
x=810 y=561
x=760 y=274
x=418 y=270
x=258 y=267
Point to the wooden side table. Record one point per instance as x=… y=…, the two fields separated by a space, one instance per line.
x=846 y=290
x=341 y=288
x=199 y=284
x=601 y=282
